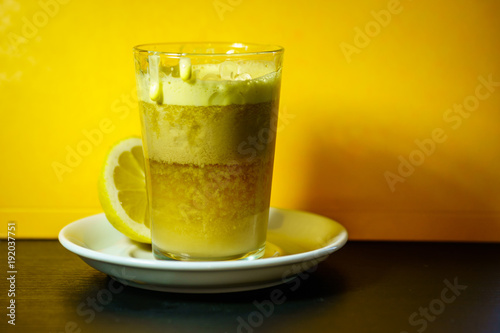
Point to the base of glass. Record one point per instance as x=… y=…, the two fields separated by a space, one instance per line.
x=164 y=255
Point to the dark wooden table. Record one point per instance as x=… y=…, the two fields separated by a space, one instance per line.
x=365 y=287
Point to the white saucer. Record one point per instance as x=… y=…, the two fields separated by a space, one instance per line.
x=297 y=241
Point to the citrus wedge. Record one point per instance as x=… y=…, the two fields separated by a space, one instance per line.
x=122 y=190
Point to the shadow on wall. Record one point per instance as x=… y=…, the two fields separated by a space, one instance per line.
x=378 y=182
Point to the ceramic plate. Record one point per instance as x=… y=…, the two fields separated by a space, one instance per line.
x=296 y=242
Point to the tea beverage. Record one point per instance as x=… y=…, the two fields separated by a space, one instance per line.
x=209 y=132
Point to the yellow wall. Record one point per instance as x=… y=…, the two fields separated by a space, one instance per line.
x=351 y=106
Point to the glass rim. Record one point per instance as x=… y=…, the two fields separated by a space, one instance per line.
x=266 y=48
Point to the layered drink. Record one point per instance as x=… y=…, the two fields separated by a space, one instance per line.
x=209 y=134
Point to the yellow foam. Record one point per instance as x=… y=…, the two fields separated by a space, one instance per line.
x=248 y=82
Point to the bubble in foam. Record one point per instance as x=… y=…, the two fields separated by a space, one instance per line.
x=243 y=77
x=211 y=77
x=228 y=70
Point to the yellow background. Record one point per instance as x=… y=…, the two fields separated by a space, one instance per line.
x=66 y=69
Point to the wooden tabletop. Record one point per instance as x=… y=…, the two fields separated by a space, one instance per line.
x=364 y=287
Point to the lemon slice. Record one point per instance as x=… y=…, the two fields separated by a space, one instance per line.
x=122 y=190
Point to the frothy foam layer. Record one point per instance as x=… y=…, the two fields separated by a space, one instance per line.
x=230 y=82
x=211 y=134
